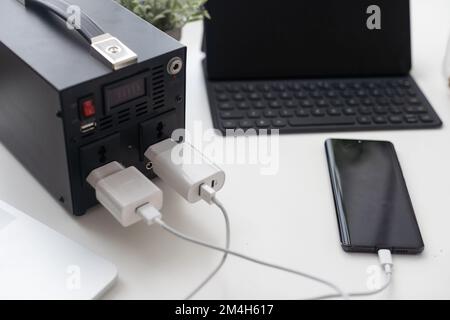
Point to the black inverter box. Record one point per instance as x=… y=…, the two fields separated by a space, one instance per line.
x=65 y=112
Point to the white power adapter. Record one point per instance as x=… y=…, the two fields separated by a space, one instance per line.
x=126 y=193
x=185 y=169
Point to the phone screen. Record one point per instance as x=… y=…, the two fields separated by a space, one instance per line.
x=373 y=206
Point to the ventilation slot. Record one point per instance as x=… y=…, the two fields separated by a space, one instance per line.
x=105 y=123
x=158 y=88
x=141 y=109
x=123 y=116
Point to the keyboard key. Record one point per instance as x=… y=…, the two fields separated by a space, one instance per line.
x=259 y=105
x=286 y=113
x=285 y=95
x=316 y=95
x=416 y=110
x=223 y=97
x=349 y=111
x=364 y=120
x=353 y=102
x=294 y=86
x=309 y=86
x=243 y=106
x=376 y=93
x=323 y=85
x=355 y=85
x=380 y=110
x=302 y=113
x=270 y=114
x=264 y=88
x=383 y=102
x=229 y=124
x=318 y=113
x=219 y=88
x=426 y=118
x=398 y=101
x=279 y=87
x=379 y=120
x=389 y=92
x=262 y=123
x=246 y=124
x=270 y=96
x=412 y=93
x=301 y=95
x=291 y=104
x=275 y=105
x=332 y=94
x=421 y=109
x=248 y=88
x=337 y=103
x=321 y=103
x=411 y=118
x=254 y=114
x=334 y=112
x=400 y=93
x=371 y=85
x=226 y=106
x=306 y=104
x=308 y=122
x=231 y=115
x=238 y=97
x=405 y=84
x=254 y=96
x=279 y=123
x=361 y=93
x=395 y=119
x=232 y=88
x=365 y=111
x=340 y=86
x=414 y=101
x=348 y=94
x=395 y=110
x=368 y=102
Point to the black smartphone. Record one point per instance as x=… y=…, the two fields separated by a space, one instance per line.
x=373 y=206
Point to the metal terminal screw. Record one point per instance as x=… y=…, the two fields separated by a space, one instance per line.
x=149 y=166
x=114 y=49
x=175 y=66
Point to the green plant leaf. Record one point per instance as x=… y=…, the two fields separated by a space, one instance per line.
x=168 y=14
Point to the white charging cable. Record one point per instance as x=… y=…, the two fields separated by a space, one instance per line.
x=385 y=260
x=207 y=190
x=182 y=236
x=130 y=197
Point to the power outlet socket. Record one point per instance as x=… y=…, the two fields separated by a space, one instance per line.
x=157 y=129
x=99 y=153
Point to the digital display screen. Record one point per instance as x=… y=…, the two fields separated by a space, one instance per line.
x=124 y=92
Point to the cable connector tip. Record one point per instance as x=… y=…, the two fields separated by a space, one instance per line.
x=149 y=213
x=385 y=258
x=207 y=193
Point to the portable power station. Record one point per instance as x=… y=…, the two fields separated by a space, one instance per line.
x=65 y=111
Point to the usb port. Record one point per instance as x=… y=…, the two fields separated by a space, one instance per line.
x=88 y=127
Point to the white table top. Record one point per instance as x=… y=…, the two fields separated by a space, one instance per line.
x=288 y=218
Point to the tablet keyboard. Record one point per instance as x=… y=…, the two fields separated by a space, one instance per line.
x=298 y=106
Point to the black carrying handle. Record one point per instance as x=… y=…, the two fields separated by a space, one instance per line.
x=87 y=28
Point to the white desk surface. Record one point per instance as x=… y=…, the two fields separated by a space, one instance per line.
x=288 y=218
